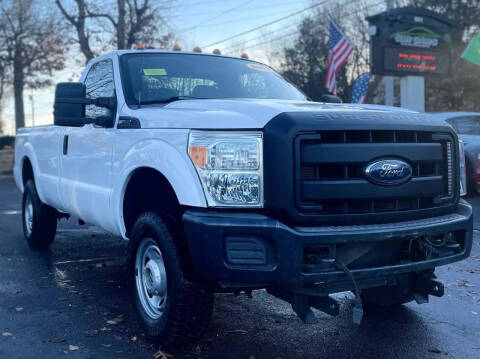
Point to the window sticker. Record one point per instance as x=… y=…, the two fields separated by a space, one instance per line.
x=259 y=67
x=155 y=72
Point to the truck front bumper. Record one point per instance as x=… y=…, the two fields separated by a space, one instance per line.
x=252 y=249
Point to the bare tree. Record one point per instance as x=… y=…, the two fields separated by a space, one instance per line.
x=4 y=77
x=130 y=21
x=133 y=21
x=78 y=20
x=32 y=44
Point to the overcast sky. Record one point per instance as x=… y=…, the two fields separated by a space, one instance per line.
x=199 y=23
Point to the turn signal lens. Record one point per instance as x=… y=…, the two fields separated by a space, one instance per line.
x=217 y=52
x=198 y=154
x=176 y=47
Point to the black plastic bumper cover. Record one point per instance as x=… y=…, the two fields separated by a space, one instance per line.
x=207 y=233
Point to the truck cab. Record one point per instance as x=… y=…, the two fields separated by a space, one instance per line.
x=224 y=177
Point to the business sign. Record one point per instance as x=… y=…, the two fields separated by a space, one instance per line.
x=410 y=41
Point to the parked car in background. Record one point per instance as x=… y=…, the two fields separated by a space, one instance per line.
x=467 y=126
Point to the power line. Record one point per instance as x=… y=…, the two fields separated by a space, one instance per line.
x=202 y=2
x=221 y=14
x=296 y=31
x=245 y=19
x=267 y=24
x=262 y=36
x=244 y=9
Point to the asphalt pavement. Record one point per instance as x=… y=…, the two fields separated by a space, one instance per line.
x=70 y=301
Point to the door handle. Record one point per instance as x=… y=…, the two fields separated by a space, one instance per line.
x=65 y=144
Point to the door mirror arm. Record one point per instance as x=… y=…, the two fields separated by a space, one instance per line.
x=102 y=121
x=108 y=102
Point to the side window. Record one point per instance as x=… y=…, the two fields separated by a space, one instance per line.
x=99 y=83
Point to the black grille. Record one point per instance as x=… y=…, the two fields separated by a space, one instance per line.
x=330 y=171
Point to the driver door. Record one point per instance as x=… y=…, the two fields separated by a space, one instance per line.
x=86 y=161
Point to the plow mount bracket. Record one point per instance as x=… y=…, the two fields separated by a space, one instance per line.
x=303 y=301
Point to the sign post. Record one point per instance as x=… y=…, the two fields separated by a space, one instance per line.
x=389 y=79
x=412 y=93
x=410 y=43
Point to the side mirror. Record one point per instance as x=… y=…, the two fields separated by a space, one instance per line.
x=70 y=102
x=65 y=113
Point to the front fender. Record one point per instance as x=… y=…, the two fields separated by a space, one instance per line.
x=171 y=161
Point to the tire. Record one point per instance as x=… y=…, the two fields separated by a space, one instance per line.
x=175 y=312
x=386 y=296
x=39 y=220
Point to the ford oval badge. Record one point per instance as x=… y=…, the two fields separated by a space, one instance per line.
x=388 y=172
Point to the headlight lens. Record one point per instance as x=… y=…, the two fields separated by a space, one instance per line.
x=463 y=171
x=229 y=165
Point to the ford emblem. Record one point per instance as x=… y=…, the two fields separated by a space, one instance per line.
x=388 y=172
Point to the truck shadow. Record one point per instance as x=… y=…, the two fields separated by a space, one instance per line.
x=89 y=269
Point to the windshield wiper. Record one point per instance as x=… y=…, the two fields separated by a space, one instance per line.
x=170 y=99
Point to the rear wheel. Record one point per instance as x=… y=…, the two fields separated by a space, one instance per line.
x=171 y=307
x=39 y=220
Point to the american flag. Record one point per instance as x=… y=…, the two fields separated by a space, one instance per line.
x=339 y=49
x=360 y=88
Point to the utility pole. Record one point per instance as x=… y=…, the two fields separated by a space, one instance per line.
x=389 y=79
x=33 y=108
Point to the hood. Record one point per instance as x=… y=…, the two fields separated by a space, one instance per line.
x=237 y=114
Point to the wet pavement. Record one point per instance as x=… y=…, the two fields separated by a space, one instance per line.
x=71 y=301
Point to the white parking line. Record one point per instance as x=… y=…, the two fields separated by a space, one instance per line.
x=10 y=212
x=105 y=259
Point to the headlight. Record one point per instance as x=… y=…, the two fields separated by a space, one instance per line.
x=230 y=167
x=463 y=171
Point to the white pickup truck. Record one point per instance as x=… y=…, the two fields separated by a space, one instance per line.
x=224 y=177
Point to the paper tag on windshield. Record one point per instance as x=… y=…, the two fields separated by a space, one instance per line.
x=154 y=72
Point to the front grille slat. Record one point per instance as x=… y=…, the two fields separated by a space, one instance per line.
x=364 y=152
x=331 y=171
x=362 y=189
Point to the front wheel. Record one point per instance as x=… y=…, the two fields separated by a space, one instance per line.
x=171 y=307
x=39 y=220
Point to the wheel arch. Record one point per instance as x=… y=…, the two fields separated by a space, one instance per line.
x=27 y=170
x=147 y=189
x=173 y=169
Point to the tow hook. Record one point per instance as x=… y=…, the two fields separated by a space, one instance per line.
x=425 y=285
x=303 y=299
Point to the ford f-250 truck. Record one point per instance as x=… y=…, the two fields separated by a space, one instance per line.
x=224 y=177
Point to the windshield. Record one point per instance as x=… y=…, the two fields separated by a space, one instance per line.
x=156 y=77
x=466 y=125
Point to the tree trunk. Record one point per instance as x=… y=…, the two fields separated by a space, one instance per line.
x=121 y=25
x=18 y=85
x=82 y=37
